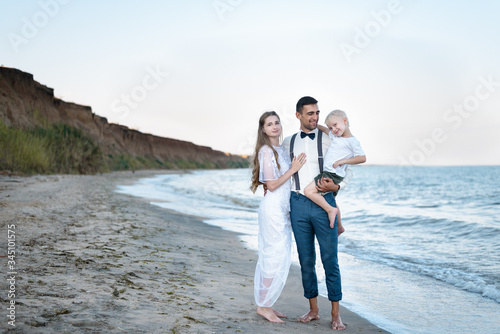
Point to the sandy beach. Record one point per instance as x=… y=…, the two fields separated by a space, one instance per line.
x=90 y=260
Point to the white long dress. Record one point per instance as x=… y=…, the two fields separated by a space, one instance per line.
x=275 y=232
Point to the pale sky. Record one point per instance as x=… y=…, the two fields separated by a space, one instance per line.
x=419 y=79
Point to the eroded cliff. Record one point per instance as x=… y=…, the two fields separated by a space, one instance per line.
x=25 y=104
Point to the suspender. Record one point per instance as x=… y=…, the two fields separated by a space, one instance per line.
x=296 y=175
x=320 y=151
x=320 y=157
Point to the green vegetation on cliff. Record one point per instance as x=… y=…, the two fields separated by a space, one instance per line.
x=63 y=149
x=58 y=148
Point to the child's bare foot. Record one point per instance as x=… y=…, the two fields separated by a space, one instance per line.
x=340 y=229
x=331 y=216
x=269 y=314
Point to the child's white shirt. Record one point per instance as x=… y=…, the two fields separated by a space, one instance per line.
x=341 y=148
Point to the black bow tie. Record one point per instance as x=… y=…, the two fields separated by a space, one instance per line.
x=310 y=135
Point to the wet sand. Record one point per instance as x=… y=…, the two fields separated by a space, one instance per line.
x=90 y=260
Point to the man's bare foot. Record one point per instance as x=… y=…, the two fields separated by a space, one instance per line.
x=337 y=323
x=279 y=314
x=331 y=216
x=340 y=229
x=311 y=315
x=269 y=314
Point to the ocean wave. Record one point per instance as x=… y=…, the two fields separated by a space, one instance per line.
x=483 y=284
x=246 y=204
x=426 y=206
x=464 y=280
x=472 y=282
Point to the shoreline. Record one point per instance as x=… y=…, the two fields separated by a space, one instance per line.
x=91 y=259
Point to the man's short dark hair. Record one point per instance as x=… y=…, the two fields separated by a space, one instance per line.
x=304 y=101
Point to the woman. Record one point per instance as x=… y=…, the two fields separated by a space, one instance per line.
x=272 y=168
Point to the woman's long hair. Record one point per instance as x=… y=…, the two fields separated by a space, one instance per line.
x=262 y=139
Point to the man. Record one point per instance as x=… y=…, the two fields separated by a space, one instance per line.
x=309 y=220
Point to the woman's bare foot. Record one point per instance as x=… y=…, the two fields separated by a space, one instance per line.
x=269 y=314
x=279 y=314
x=311 y=315
x=337 y=323
x=331 y=216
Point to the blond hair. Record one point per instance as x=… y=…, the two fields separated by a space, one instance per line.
x=337 y=113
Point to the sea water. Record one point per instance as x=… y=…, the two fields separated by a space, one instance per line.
x=421 y=251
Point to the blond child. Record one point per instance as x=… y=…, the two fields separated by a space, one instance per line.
x=344 y=150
